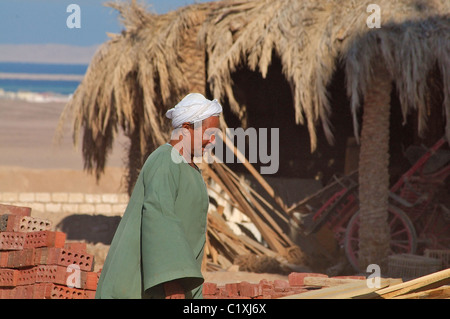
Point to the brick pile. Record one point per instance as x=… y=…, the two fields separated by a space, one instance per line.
x=266 y=289
x=36 y=262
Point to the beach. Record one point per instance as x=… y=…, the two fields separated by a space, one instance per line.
x=32 y=161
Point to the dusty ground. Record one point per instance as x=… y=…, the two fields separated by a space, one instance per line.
x=31 y=162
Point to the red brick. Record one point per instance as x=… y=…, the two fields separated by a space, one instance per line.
x=24 y=292
x=250 y=290
x=89 y=280
x=12 y=240
x=15 y=210
x=6 y=293
x=63 y=292
x=45 y=238
x=280 y=285
x=42 y=290
x=83 y=260
x=266 y=284
x=40 y=255
x=21 y=258
x=267 y=293
x=51 y=274
x=64 y=257
x=76 y=246
x=296 y=278
x=89 y=294
x=209 y=288
x=231 y=289
x=18 y=223
x=13 y=223
x=27 y=276
x=62 y=274
x=4 y=222
x=3 y=259
x=9 y=277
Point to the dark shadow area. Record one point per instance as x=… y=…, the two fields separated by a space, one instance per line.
x=268 y=104
x=92 y=229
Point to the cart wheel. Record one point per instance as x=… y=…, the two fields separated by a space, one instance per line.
x=433 y=230
x=403 y=235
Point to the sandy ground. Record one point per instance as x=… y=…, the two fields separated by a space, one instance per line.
x=30 y=161
x=27 y=132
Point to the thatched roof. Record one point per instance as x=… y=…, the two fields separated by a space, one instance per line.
x=143 y=71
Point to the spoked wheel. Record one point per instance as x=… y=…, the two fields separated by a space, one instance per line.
x=403 y=235
x=433 y=230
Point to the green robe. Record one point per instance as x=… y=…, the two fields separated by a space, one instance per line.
x=161 y=235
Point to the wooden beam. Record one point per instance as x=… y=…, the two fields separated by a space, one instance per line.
x=344 y=291
x=436 y=293
x=254 y=172
x=427 y=282
x=328 y=282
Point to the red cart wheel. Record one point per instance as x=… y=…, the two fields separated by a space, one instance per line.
x=433 y=230
x=403 y=235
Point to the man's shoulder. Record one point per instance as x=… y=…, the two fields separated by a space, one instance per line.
x=163 y=156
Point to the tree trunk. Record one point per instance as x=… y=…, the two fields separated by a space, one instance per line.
x=374 y=233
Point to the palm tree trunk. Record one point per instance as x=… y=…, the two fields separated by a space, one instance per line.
x=374 y=235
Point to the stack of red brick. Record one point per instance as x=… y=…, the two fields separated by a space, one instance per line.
x=265 y=289
x=37 y=262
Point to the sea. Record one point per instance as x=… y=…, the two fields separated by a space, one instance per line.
x=39 y=81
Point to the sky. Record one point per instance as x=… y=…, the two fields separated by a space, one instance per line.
x=45 y=21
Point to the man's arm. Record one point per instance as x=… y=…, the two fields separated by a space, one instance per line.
x=173 y=290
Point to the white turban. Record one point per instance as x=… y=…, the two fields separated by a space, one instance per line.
x=192 y=108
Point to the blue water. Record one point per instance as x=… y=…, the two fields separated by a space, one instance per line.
x=41 y=86
x=41 y=68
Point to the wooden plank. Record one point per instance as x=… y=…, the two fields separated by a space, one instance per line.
x=254 y=172
x=345 y=291
x=257 y=195
x=267 y=233
x=436 y=293
x=328 y=282
x=430 y=281
x=247 y=196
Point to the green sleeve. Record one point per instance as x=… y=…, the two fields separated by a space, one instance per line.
x=166 y=253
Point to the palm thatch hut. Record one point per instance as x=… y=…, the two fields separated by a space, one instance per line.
x=315 y=69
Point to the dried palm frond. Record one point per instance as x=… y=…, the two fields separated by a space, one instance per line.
x=138 y=74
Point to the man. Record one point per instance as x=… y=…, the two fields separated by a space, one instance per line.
x=157 y=249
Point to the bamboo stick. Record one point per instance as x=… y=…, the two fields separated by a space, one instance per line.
x=254 y=172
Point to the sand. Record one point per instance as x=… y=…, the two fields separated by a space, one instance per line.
x=30 y=161
x=27 y=132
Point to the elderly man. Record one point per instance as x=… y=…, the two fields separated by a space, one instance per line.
x=157 y=249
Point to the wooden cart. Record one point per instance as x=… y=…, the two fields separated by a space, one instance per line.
x=418 y=214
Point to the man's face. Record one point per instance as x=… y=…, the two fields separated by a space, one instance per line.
x=203 y=134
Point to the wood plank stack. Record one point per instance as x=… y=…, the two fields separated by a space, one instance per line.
x=223 y=246
x=432 y=286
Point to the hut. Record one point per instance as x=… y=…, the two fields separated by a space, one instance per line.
x=323 y=72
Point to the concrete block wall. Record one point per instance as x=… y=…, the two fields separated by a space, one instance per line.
x=109 y=204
